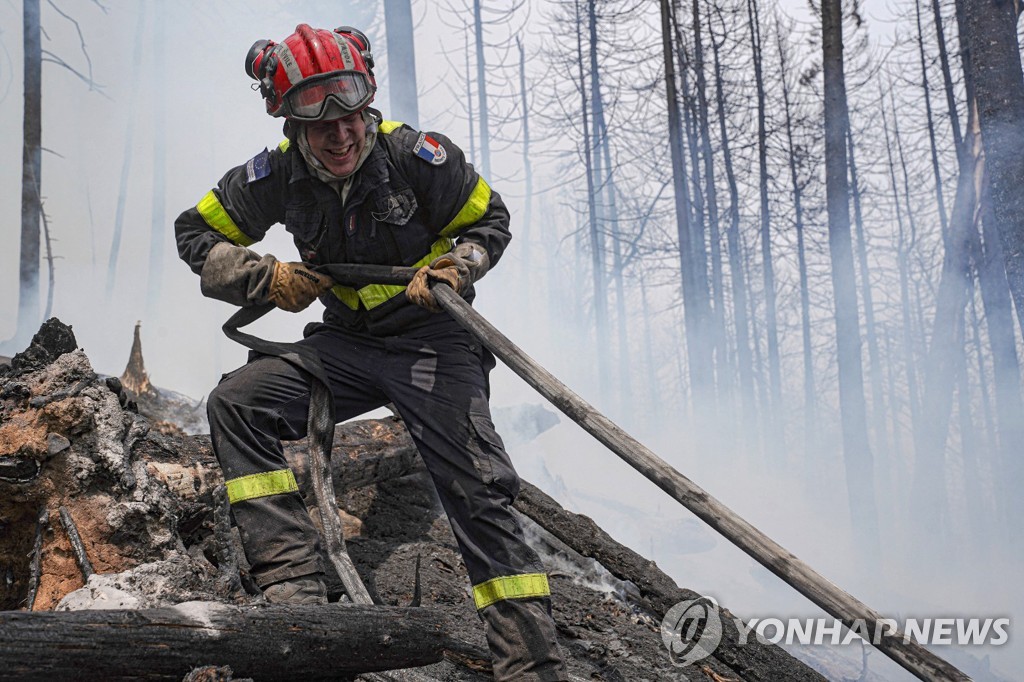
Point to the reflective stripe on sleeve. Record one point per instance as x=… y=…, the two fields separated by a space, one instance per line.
x=472 y=211
x=213 y=213
x=261 y=485
x=511 y=587
x=388 y=126
x=373 y=295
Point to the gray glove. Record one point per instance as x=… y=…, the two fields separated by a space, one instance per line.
x=236 y=275
x=473 y=257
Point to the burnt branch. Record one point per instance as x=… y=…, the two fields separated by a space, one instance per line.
x=36 y=563
x=77 y=547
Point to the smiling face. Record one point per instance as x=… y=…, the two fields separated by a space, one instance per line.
x=338 y=143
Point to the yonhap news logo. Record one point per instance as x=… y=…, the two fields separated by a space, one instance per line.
x=692 y=630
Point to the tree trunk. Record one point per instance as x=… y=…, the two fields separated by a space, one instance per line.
x=402 y=62
x=903 y=265
x=725 y=376
x=979 y=526
x=695 y=305
x=994 y=71
x=926 y=88
x=129 y=151
x=268 y=643
x=774 y=408
x=159 y=234
x=597 y=142
x=947 y=77
x=999 y=90
x=31 y=180
x=695 y=200
x=991 y=434
x=928 y=493
x=810 y=394
x=469 y=102
x=875 y=370
x=655 y=402
x=527 y=167
x=481 y=88
x=741 y=321
x=856 y=450
x=995 y=295
x=599 y=302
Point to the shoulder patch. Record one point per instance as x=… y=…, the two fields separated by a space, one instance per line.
x=258 y=167
x=430 y=150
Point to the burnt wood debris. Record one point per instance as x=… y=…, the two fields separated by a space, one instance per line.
x=107 y=505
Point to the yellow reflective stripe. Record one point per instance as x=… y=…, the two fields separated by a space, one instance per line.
x=261 y=485
x=285 y=143
x=511 y=587
x=216 y=217
x=373 y=295
x=348 y=295
x=387 y=126
x=472 y=211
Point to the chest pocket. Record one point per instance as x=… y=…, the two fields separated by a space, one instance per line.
x=306 y=223
x=395 y=214
x=396 y=208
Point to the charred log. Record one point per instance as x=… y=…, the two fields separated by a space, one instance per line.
x=266 y=643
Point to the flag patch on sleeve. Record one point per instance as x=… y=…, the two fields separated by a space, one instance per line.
x=429 y=149
x=258 y=166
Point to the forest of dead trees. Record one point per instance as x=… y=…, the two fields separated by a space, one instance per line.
x=801 y=231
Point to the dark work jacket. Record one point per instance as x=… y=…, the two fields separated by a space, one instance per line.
x=400 y=210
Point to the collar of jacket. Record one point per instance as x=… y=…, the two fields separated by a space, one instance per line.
x=373 y=173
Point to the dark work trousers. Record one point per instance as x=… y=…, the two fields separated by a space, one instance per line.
x=436 y=376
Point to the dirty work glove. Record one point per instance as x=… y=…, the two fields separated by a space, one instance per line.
x=294 y=286
x=236 y=275
x=459 y=268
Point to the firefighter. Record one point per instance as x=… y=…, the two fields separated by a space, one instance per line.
x=352 y=187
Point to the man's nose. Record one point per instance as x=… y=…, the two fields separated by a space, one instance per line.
x=339 y=128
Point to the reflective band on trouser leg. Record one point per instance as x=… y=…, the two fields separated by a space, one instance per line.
x=261 y=485
x=511 y=587
x=373 y=295
x=472 y=211
x=216 y=217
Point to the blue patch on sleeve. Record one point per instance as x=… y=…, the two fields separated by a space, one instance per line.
x=258 y=166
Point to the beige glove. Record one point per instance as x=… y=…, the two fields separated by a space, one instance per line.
x=459 y=268
x=294 y=286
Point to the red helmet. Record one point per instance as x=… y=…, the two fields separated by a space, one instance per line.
x=299 y=77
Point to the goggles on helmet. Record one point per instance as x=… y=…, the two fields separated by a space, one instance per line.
x=351 y=90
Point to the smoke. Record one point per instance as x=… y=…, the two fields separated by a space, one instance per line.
x=215 y=121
